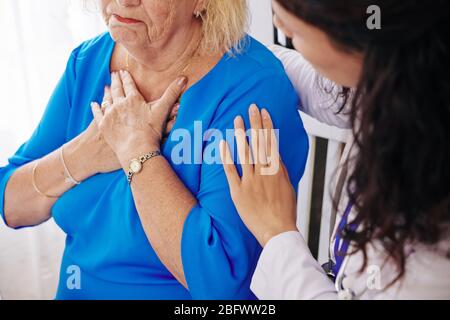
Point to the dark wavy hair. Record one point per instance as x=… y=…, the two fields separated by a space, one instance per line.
x=400 y=177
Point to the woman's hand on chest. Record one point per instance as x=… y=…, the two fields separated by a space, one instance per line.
x=130 y=125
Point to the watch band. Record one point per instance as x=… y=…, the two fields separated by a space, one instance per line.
x=141 y=161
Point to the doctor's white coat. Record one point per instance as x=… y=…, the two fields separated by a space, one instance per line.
x=287 y=270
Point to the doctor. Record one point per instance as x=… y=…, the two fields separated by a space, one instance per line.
x=391 y=238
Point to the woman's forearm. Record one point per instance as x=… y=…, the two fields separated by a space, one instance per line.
x=163 y=203
x=24 y=206
x=133 y=127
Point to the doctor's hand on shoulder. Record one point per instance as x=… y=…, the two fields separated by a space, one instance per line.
x=263 y=196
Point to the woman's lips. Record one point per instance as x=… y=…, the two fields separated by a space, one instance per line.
x=125 y=20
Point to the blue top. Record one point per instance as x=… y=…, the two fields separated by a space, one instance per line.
x=105 y=240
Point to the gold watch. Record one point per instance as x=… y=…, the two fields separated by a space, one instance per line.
x=136 y=165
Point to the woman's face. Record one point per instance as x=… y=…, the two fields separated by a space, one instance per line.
x=341 y=67
x=144 y=22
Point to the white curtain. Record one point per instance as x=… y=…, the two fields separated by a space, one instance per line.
x=36 y=38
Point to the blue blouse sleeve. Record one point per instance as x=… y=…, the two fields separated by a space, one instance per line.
x=49 y=135
x=219 y=253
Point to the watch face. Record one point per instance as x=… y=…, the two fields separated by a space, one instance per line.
x=135 y=166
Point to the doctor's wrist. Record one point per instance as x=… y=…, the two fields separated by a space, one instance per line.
x=270 y=234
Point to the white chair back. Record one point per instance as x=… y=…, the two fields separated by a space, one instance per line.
x=316 y=187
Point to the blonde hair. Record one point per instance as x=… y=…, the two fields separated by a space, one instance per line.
x=225 y=23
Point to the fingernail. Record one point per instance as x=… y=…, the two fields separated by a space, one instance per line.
x=254 y=109
x=177 y=107
x=265 y=114
x=182 y=81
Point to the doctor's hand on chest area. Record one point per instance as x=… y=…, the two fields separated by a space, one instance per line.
x=129 y=124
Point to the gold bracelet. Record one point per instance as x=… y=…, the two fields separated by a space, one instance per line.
x=33 y=179
x=136 y=165
x=69 y=177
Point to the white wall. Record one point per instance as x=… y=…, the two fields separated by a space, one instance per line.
x=261 y=20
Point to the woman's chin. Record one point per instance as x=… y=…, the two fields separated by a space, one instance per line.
x=123 y=35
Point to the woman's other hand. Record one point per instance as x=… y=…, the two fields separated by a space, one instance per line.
x=130 y=125
x=89 y=153
x=264 y=196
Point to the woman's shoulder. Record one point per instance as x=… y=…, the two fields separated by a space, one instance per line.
x=91 y=55
x=254 y=73
x=257 y=55
x=94 y=50
x=255 y=60
x=96 y=46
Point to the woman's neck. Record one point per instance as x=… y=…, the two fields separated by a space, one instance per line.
x=167 y=60
x=154 y=68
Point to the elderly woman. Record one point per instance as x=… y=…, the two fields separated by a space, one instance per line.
x=156 y=227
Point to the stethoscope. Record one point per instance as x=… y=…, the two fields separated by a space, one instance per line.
x=337 y=273
x=341 y=247
x=338 y=265
x=344 y=293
